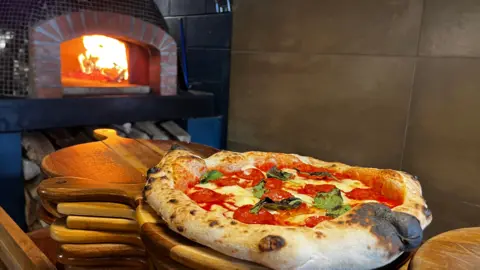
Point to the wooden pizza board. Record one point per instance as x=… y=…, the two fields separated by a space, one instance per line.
x=457 y=249
x=113 y=170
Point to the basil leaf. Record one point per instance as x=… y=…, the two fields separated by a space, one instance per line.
x=338 y=211
x=209 y=176
x=321 y=174
x=258 y=206
x=328 y=200
x=285 y=204
x=259 y=189
x=274 y=172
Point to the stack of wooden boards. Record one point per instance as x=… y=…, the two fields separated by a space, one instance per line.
x=94 y=218
x=97 y=235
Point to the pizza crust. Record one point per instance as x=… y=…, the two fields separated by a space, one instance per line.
x=368 y=236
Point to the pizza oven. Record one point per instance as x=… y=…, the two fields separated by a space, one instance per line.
x=57 y=48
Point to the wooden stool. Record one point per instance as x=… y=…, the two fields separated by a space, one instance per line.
x=457 y=249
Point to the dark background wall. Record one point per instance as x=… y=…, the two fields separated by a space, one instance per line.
x=207 y=38
x=383 y=83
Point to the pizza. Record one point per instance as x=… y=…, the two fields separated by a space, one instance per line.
x=287 y=211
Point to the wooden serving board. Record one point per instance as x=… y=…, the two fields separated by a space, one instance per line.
x=113 y=170
x=457 y=249
x=113 y=159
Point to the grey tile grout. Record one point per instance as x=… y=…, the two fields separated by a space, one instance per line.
x=360 y=55
x=409 y=112
x=422 y=17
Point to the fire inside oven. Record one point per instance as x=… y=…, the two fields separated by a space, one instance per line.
x=93 y=64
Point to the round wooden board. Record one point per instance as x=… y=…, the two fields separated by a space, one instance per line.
x=457 y=249
x=175 y=250
x=114 y=159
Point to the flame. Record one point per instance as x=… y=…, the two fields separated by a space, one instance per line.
x=105 y=55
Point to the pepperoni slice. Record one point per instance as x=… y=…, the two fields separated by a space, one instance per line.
x=313 y=221
x=251 y=174
x=277 y=194
x=226 y=181
x=272 y=183
x=371 y=194
x=243 y=214
x=265 y=166
x=310 y=189
x=362 y=194
x=207 y=196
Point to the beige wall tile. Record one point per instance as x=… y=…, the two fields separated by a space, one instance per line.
x=451 y=28
x=328 y=26
x=346 y=108
x=443 y=142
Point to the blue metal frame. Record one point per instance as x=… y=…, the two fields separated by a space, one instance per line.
x=11 y=177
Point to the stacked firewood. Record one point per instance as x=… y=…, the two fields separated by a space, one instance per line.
x=38 y=144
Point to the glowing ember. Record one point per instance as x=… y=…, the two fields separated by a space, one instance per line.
x=104 y=58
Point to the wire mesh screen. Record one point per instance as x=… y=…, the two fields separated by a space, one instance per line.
x=17 y=16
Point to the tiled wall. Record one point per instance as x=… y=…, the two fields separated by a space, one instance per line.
x=207 y=36
x=384 y=83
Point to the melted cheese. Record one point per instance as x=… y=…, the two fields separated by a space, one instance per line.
x=305 y=198
x=346 y=185
x=240 y=198
x=300 y=219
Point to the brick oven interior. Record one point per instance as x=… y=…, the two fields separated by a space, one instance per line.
x=68 y=67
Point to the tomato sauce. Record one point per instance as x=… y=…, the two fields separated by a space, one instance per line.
x=312 y=190
x=206 y=198
x=277 y=194
x=272 y=183
x=250 y=174
x=243 y=214
x=313 y=221
x=371 y=194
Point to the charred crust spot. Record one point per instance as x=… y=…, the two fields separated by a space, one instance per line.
x=263 y=231
x=221 y=226
x=180 y=229
x=147 y=187
x=319 y=235
x=291 y=229
x=233 y=222
x=213 y=223
x=426 y=211
x=192 y=212
x=173 y=216
x=245 y=231
x=340 y=222
x=153 y=170
x=150 y=180
x=271 y=243
x=395 y=231
x=173 y=201
x=61 y=181
x=163 y=177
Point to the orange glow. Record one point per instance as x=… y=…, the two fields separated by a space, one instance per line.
x=104 y=58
